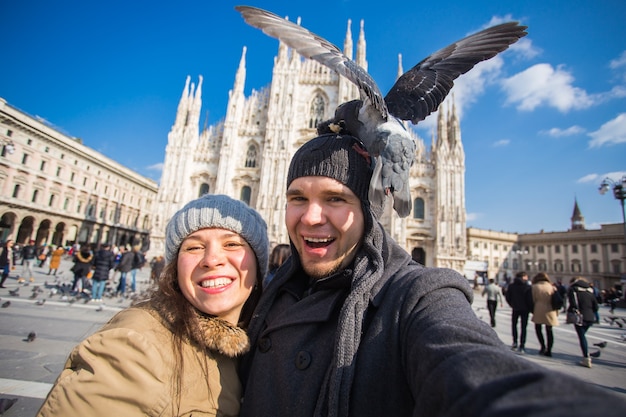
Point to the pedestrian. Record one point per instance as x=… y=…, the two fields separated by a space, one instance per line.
x=124 y=267
x=6 y=260
x=492 y=290
x=351 y=325
x=157 y=268
x=563 y=293
x=55 y=260
x=42 y=254
x=29 y=253
x=102 y=265
x=519 y=297
x=543 y=313
x=279 y=255
x=175 y=354
x=83 y=260
x=581 y=298
x=139 y=261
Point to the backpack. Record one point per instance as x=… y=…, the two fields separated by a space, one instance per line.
x=556 y=300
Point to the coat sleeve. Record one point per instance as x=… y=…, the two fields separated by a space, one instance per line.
x=116 y=372
x=456 y=365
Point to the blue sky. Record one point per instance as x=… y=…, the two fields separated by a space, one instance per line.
x=542 y=124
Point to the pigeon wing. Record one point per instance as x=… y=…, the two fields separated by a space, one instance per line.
x=421 y=90
x=312 y=46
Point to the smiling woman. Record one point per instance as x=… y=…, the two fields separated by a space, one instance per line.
x=175 y=354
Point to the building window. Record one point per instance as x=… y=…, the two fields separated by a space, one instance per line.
x=66 y=204
x=9 y=132
x=51 y=201
x=615 y=266
x=43 y=166
x=317 y=111
x=16 y=191
x=505 y=264
x=24 y=159
x=614 y=248
x=558 y=266
x=576 y=267
x=593 y=248
x=204 y=189
x=35 y=194
x=72 y=176
x=543 y=265
x=418 y=208
x=515 y=264
x=574 y=248
x=595 y=267
x=486 y=245
x=540 y=249
x=245 y=194
x=58 y=171
x=251 y=157
x=557 y=249
x=476 y=245
x=79 y=206
x=495 y=246
x=85 y=181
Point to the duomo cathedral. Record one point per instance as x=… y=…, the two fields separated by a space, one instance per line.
x=246 y=155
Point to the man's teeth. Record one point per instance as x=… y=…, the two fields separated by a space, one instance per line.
x=213 y=283
x=318 y=240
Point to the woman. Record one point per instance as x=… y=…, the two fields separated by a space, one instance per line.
x=6 y=260
x=55 y=260
x=175 y=354
x=581 y=298
x=82 y=266
x=279 y=255
x=543 y=313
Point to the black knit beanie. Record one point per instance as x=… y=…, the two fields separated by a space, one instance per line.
x=334 y=156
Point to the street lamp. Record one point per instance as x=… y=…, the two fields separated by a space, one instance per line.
x=619 y=191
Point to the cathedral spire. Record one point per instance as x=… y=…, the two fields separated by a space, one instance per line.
x=400 y=69
x=240 y=76
x=347 y=43
x=578 y=220
x=183 y=106
x=360 y=48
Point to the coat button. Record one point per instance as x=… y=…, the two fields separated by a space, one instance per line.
x=264 y=344
x=303 y=360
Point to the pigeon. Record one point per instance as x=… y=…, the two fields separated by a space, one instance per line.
x=600 y=344
x=377 y=120
x=6 y=403
x=41 y=302
x=31 y=337
x=595 y=354
x=6 y=304
x=15 y=292
x=100 y=308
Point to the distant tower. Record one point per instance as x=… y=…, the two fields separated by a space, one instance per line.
x=578 y=220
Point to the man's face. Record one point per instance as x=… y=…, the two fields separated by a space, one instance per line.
x=325 y=223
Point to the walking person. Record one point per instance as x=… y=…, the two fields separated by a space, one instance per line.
x=581 y=298
x=6 y=260
x=543 y=313
x=492 y=290
x=279 y=255
x=176 y=354
x=55 y=260
x=83 y=260
x=124 y=267
x=29 y=255
x=351 y=325
x=519 y=297
x=139 y=261
x=102 y=264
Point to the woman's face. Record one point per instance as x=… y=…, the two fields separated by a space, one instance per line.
x=217 y=271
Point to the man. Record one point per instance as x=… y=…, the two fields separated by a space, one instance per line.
x=519 y=297
x=352 y=326
x=493 y=296
x=125 y=266
x=102 y=265
x=139 y=261
x=29 y=253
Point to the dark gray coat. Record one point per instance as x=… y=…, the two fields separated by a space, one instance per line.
x=102 y=264
x=423 y=352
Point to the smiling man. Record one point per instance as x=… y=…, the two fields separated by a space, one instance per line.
x=352 y=326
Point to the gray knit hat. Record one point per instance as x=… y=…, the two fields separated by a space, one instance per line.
x=334 y=156
x=222 y=212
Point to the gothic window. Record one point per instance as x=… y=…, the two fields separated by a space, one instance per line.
x=245 y=194
x=204 y=189
x=418 y=208
x=251 y=157
x=317 y=111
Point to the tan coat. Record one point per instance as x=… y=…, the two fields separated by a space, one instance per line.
x=55 y=258
x=127 y=369
x=542 y=299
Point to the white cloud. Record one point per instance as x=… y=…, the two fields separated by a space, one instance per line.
x=155 y=167
x=610 y=133
x=544 y=85
x=619 y=62
x=470 y=217
x=588 y=178
x=592 y=178
x=556 y=132
x=501 y=142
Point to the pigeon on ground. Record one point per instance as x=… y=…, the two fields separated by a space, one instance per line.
x=600 y=344
x=15 y=292
x=31 y=337
x=376 y=120
x=595 y=354
x=6 y=304
x=6 y=403
x=41 y=302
